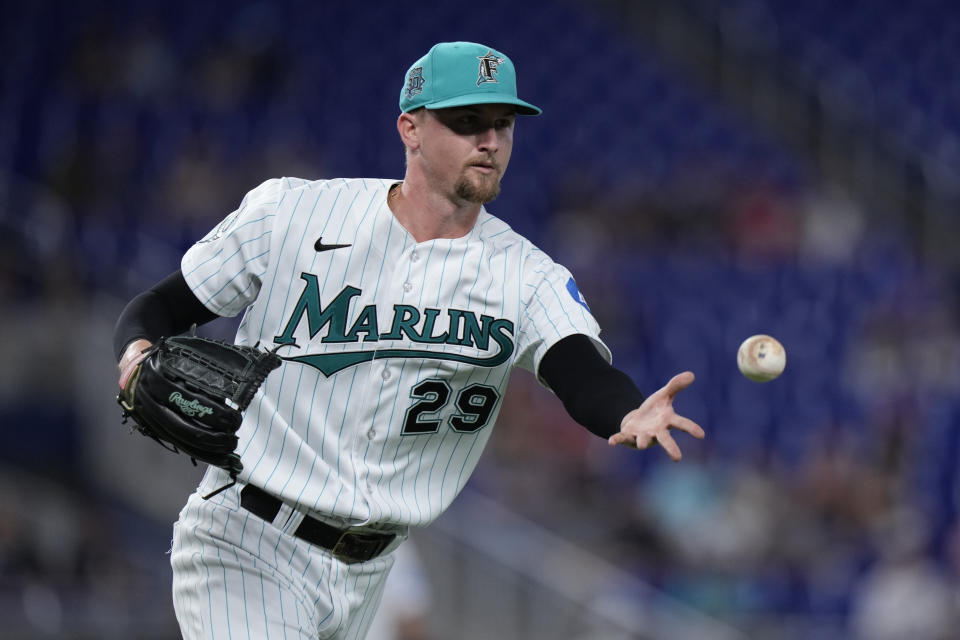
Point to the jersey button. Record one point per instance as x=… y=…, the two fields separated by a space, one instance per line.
x=407 y=287
x=414 y=256
x=371 y=434
x=385 y=374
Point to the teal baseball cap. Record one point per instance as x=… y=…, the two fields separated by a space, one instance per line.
x=456 y=74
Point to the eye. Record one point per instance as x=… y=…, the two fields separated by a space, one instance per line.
x=502 y=123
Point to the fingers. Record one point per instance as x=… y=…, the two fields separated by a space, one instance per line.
x=626 y=439
x=636 y=436
x=678 y=383
x=129 y=368
x=630 y=440
x=670 y=446
x=642 y=442
x=133 y=355
x=689 y=426
x=662 y=436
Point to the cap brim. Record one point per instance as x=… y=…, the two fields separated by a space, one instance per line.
x=523 y=108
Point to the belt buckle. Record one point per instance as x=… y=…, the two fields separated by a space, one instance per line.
x=354 y=547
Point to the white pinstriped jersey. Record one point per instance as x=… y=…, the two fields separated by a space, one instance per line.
x=397 y=352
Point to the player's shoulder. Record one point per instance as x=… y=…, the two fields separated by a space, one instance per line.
x=495 y=232
x=500 y=235
x=279 y=187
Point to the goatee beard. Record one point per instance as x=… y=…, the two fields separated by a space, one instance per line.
x=481 y=193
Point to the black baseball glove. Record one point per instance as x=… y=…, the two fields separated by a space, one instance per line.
x=188 y=393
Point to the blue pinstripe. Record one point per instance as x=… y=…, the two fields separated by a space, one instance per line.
x=323 y=289
x=273 y=282
x=276 y=271
x=426 y=440
x=229 y=282
x=313 y=464
x=353 y=466
x=226 y=595
x=486 y=297
x=353 y=247
x=214 y=256
x=401 y=441
x=556 y=295
x=376 y=290
x=458 y=438
x=350 y=391
x=286 y=298
x=323 y=440
x=393 y=410
x=280 y=598
x=296 y=461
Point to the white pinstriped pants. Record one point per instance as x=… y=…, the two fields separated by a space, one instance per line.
x=236 y=576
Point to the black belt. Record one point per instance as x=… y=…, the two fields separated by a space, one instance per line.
x=348 y=546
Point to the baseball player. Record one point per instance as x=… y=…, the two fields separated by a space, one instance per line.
x=399 y=308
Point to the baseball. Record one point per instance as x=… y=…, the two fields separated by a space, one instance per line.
x=761 y=358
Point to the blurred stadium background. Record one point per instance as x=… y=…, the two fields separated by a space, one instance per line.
x=708 y=169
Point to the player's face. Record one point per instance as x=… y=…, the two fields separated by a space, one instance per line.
x=468 y=149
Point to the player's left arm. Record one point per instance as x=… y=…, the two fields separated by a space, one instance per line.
x=607 y=402
x=167 y=308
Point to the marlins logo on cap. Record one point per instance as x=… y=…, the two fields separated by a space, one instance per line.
x=449 y=76
x=488 y=67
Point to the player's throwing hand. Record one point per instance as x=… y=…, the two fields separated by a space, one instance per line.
x=651 y=421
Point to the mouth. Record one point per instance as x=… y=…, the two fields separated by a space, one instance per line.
x=484 y=167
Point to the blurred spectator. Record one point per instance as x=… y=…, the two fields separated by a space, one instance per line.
x=763 y=224
x=64 y=562
x=832 y=224
x=905 y=595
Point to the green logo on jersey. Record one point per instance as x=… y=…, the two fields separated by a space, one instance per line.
x=463 y=328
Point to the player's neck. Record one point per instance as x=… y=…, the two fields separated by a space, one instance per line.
x=428 y=215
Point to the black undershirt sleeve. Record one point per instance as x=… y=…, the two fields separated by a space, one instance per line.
x=167 y=308
x=593 y=392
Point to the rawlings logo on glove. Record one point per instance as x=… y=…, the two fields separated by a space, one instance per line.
x=190 y=408
x=189 y=393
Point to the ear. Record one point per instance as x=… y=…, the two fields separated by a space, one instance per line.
x=408 y=126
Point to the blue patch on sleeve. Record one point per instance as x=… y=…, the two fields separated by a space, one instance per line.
x=575 y=294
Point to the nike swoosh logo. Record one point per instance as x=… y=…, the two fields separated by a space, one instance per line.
x=319 y=246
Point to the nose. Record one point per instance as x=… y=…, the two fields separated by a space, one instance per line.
x=487 y=140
